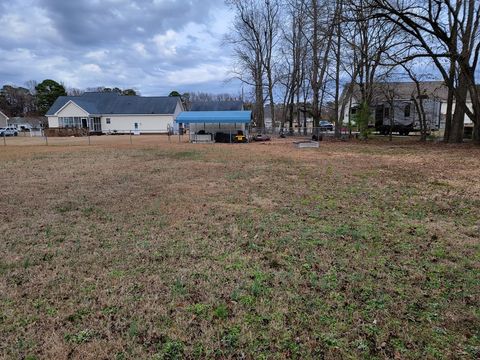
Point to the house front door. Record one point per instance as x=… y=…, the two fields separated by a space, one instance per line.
x=136 y=128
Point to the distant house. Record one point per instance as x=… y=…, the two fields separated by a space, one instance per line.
x=29 y=125
x=396 y=100
x=113 y=113
x=3 y=120
x=215 y=120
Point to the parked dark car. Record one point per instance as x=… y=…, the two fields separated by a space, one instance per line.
x=261 y=137
x=239 y=137
x=221 y=137
x=325 y=125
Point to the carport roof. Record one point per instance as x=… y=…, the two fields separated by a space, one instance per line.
x=214 y=117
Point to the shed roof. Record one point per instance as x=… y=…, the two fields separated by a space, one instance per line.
x=111 y=103
x=214 y=117
x=216 y=106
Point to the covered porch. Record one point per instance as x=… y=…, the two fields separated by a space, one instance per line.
x=92 y=123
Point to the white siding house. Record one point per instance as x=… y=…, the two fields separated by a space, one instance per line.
x=112 y=113
x=144 y=123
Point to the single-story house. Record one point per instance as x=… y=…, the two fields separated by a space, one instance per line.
x=111 y=113
x=3 y=120
x=219 y=121
x=401 y=95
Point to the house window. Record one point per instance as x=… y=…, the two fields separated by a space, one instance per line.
x=353 y=111
x=108 y=121
x=407 y=110
x=70 y=122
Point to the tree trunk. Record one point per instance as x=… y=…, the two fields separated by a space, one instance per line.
x=304 y=118
x=458 y=121
x=475 y=117
x=392 y=122
x=338 y=59
x=476 y=133
x=290 y=113
x=450 y=84
x=260 y=116
x=316 y=64
x=448 y=115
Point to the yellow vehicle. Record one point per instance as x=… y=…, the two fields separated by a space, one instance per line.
x=240 y=137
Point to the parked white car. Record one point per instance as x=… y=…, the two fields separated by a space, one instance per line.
x=8 y=132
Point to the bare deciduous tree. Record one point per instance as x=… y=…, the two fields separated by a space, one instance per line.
x=254 y=38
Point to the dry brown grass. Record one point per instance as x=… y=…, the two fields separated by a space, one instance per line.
x=173 y=250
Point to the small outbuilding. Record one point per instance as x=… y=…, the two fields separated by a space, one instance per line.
x=215 y=126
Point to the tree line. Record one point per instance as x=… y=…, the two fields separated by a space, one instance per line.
x=34 y=99
x=309 y=56
x=188 y=98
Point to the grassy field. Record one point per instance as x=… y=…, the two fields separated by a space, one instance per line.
x=169 y=251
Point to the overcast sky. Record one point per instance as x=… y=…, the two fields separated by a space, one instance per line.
x=154 y=46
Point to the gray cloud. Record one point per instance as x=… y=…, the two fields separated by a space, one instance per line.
x=153 y=45
x=90 y=22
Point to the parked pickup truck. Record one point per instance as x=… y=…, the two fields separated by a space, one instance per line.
x=8 y=132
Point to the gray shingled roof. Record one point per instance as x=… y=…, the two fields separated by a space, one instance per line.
x=216 y=106
x=110 y=103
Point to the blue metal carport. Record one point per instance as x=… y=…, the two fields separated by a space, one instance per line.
x=207 y=126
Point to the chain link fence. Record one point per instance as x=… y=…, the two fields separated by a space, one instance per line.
x=121 y=137
x=125 y=137
x=313 y=133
